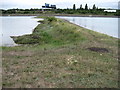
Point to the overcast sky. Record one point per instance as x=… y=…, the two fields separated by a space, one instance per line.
x=9 y=4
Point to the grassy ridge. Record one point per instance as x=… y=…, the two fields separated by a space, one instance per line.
x=57 y=55
x=53 y=31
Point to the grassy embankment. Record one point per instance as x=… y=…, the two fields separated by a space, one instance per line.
x=57 y=55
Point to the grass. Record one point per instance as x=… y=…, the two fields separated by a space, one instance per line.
x=56 y=55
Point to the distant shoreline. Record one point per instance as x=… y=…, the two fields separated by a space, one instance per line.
x=69 y=15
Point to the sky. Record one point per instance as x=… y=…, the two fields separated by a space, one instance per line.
x=27 y=4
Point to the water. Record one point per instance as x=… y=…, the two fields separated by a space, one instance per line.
x=15 y=26
x=104 y=25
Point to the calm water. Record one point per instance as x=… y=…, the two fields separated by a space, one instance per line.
x=15 y=26
x=104 y=25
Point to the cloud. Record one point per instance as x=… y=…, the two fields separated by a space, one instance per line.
x=5 y=4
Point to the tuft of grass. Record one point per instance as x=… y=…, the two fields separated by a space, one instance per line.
x=50 y=19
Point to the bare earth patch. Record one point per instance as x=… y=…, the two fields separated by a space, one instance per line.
x=97 y=49
x=20 y=53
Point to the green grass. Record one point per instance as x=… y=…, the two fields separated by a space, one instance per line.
x=56 y=56
x=51 y=32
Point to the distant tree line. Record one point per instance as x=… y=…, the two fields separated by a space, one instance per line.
x=86 y=10
x=81 y=10
x=21 y=11
x=86 y=7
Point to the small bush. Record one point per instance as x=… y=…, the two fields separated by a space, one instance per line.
x=50 y=19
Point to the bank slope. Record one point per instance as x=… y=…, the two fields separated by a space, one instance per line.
x=60 y=54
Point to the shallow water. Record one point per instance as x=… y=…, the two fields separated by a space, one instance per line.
x=16 y=26
x=106 y=25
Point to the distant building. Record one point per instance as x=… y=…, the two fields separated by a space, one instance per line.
x=53 y=6
x=109 y=10
x=48 y=6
